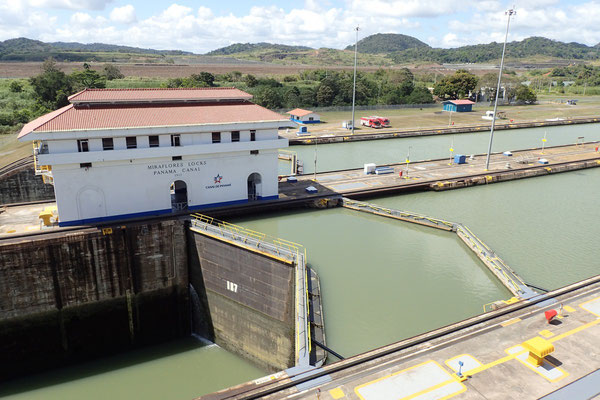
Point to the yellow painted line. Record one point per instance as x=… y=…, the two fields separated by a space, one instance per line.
x=546 y=333
x=252 y=249
x=489 y=365
x=412 y=396
x=337 y=393
x=573 y=331
x=589 y=301
x=510 y=322
x=568 y=309
x=533 y=368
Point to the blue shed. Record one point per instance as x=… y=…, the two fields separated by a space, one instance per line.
x=458 y=105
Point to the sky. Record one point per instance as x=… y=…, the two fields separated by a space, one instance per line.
x=201 y=26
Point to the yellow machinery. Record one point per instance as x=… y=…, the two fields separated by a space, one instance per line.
x=538 y=348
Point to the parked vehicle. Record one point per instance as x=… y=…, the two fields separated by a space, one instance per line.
x=375 y=122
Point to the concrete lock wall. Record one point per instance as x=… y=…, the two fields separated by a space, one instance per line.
x=251 y=301
x=69 y=296
x=23 y=185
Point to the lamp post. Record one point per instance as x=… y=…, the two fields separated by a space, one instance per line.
x=510 y=13
x=354 y=85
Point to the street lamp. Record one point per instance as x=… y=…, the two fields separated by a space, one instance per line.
x=509 y=13
x=354 y=86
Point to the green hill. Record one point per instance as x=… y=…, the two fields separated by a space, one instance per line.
x=386 y=43
x=237 y=48
x=526 y=49
x=23 y=49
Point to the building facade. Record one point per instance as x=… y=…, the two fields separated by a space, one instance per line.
x=304 y=116
x=114 y=154
x=458 y=105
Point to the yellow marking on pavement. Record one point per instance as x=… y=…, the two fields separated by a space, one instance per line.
x=510 y=322
x=489 y=365
x=589 y=301
x=337 y=393
x=546 y=333
x=568 y=309
x=573 y=331
x=434 y=387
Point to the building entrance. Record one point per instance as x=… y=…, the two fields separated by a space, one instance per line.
x=179 y=198
x=254 y=186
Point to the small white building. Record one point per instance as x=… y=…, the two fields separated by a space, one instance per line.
x=121 y=153
x=304 y=116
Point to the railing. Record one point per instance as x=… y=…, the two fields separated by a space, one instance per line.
x=44 y=170
x=412 y=217
x=291 y=252
x=290 y=156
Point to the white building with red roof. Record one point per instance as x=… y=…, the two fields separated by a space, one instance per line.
x=304 y=116
x=121 y=153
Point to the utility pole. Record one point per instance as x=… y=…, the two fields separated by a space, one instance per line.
x=354 y=86
x=510 y=13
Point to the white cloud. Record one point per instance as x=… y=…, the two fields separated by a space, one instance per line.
x=407 y=8
x=124 y=15
x=71 y=4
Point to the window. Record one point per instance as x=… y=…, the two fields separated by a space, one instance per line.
x=153 y=141
x=175 y=158
x=252 y=136
x=131 y=142
x=311 y=119
x=107 y=144
x=85 y=165
x=216 y=137
x=235 y=136
x=175 y=140
x=254 y=152
x=82 y=145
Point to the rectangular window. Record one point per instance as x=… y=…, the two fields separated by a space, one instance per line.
x=235 y=136
x=107 y=144
x=252 y=136
x=131 y=142
x=216 y=137
x=176 y=158
x=85 y=165
x=153 y=141
x=254 y=152
x=175 y=140
x=82 y=145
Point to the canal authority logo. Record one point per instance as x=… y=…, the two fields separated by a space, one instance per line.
x=218 y=179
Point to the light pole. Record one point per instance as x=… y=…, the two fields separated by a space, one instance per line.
x=510 y=13
x=354 y=85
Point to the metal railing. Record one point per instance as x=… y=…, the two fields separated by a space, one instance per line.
x=405 y=215
x=289 y=251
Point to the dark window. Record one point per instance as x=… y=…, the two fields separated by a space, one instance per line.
x=235 y=136
x=153 y=141
x=176 y=158
x=85 y=165
x=252 y=136
x=82 y=145
x=255 y=152
x=175 y=140
x=216 y=137
x=107 y=144
x=131 y=142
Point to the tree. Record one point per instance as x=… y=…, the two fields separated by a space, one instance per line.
x=203 y=79
x=268 y=97
x=525 y=95
x=291 y=97
x=455 y=86
x=15 y=87
x=52 y=87
x=87 y=78
x=325 y=95
x=250 y=80
x=420 y=95
x=111 y=71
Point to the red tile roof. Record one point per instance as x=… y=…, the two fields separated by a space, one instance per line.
x=299 y=112
x=157 y=95
x=458 y=102
x=148 y=115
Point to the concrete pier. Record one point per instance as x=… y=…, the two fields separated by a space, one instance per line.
x=491 y=347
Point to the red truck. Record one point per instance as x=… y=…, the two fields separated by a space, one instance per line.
x=375 y=122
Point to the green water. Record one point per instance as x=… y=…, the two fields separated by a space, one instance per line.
x=355 y=154
x=182 y=369
x=383 y=281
